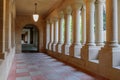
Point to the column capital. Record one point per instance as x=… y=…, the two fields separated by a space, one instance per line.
x=55 y=19
x=48 y=21
x=77 y=1
x=100 y=1
x=51 y=21
x=84 y=7
x=68 y=10
x=77 y=6
x=92 y=1
x=61 y=14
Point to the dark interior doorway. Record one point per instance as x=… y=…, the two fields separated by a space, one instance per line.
x=29 y=39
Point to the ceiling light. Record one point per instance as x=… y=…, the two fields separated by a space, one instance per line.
x=35 y=15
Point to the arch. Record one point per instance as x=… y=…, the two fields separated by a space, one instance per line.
x=31 y=25
x=30 y=38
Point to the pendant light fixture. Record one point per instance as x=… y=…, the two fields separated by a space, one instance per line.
x=35 y=14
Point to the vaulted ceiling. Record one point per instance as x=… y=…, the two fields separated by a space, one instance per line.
x=44 y=7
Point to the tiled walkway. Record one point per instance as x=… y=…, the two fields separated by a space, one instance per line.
x=39 y=66
x=28 y=47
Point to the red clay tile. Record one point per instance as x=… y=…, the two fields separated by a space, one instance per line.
x=48 y=68
x=22 y=74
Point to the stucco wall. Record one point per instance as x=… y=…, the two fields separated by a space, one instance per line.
x=21 y=21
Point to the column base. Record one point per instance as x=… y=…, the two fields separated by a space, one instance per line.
x=83 y=43
x=91 y=44
x=114 y=45
x=75 y=50
x=47 y=46
x=65 y=49
x=109 y=59
x=11 y=49
x=8 y=50
x=2 y=56
x=89 y=53
x=111 y=44
x=54 y=47
x=50 y=46
x=59 y=47
x=100 y=44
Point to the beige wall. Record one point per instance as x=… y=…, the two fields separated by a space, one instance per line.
x=22 y=21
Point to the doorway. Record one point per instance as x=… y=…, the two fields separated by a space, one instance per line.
x=29 y=39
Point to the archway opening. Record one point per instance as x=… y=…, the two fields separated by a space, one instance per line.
x=29 y=39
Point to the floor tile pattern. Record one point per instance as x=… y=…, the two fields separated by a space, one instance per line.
x=39 y=66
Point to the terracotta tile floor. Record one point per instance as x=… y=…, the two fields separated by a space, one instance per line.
x=39 y=66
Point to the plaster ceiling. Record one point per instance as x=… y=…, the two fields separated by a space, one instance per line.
x=44 y=7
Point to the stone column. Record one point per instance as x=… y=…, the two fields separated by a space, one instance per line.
x=67 y=28
x=66 y=45
x=76 y=24
x=55 y=34
x=51 y=35
x=1 y=29
x=89 y=51
x=6 y=27
x=10 y=27
x=99 y=23
x=61 y=27
x=76 y=45
x=11 y=30
x=109 y=54
x=14 y=19
x=13 y=25
x=119 y=22
x=83 y=24
x=47 y=33
x=112 y=23
x=90 y=33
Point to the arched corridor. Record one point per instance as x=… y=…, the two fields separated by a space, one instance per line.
x=82 y=33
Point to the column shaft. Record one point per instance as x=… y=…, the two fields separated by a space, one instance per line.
x=67 y=29
x=10 y=28
x=11 y=31
x=6 y=27
x=51 y=36
x=1 y=26
x=90 y=33
x=118 y=22
x=83 y=25
x=67 y=43
x=2 y=15
x=99 y=23
x=60 y=32
x=76 y=25
x=61 y=26
x=52 y=32
x=56 y=32
x=47 y=34
x=112 y=22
